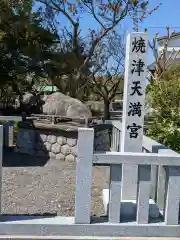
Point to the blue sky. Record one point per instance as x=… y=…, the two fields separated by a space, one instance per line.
x=168 y=14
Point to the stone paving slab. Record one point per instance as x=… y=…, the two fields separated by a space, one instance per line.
x=81 y=238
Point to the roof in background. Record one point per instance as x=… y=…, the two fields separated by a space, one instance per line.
x=152 y=66
x=173 y=35
x=50 y=89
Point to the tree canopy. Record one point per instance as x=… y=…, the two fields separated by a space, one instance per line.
x=36 y=44
x=25 y=43
x=107 y=16
x=164 y=95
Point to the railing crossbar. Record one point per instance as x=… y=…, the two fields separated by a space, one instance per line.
x=135 y=158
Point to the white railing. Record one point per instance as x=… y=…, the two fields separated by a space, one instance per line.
x=84 y=225
x=116 y=136
x=170 y=163
x=158 y=174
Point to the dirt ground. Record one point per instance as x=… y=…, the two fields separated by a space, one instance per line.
x=36 y=186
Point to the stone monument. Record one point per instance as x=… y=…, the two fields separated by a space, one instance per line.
x=132 y=127
x=55 y=104
x=57 y=140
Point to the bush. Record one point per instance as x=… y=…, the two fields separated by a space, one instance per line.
x=164 y=96
x=166 y=132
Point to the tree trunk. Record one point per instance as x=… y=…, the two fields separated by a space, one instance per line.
x=106 y=109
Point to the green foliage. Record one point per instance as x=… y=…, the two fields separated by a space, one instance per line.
x=166 y=132
x=164 y=95
x=25 y=44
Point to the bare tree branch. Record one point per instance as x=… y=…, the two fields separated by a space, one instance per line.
x=57 y=7
x=164 y=58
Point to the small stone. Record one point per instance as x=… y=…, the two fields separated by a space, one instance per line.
x=52 y=155
x=60 y=156
x=56 y=148
x=61 y=140
x=70 y=158
x=52 y=139
x=47 y=146
x=65 y=149
x=43 y=137
x=71 y=142
x=74 y=151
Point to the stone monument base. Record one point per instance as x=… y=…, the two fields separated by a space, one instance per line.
x=57 y=141
x=129 y=207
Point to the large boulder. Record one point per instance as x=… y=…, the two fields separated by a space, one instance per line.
x=60 y=104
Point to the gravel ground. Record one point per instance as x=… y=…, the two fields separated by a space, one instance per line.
x=45 y=189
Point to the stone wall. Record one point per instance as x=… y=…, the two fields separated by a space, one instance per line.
x=59 y=144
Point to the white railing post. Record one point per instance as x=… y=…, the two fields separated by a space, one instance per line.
x=173 y=196
x=112 y=138
x=161 y=187
x=8 y=133
x=115 y=193
x=11 y=133
x=162 y=180
x=157 y=171
x=84 y=175
x=115 y=181
x=116 y=136
x=1 y=162
x=117 y=140
x=144 y=183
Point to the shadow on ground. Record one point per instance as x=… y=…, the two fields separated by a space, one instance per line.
x=13 y=159
x=19 y=217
